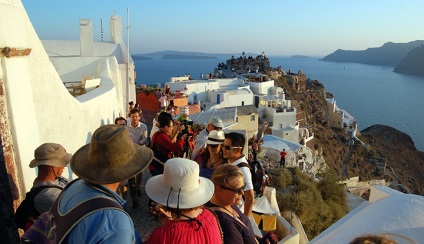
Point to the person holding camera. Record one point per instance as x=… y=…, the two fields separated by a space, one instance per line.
x=165 y=143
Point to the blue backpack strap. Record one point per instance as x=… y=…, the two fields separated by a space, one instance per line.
x=66 y=222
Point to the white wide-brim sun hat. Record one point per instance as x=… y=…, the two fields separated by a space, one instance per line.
x=180 y=185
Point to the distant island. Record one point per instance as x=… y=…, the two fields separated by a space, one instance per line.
x=182 y=56
x=390 y=54
x=300 y=56
x=138 y=57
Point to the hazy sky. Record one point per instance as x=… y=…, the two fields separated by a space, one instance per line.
x=278 y=27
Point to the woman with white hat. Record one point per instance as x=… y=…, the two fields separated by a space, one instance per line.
x=179 y=194
x=212 y=157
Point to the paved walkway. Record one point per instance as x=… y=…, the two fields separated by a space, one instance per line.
x=144 y=222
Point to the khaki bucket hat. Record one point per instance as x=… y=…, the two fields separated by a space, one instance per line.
x=110 y=157
x=51 y=154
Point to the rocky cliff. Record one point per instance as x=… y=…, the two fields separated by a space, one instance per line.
x=389 y=54
x=400 y=153
x=405 y=165
x=413 y=63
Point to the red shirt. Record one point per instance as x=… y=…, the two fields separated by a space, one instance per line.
x=163 y=144
x=283 y=154
x=188 y=231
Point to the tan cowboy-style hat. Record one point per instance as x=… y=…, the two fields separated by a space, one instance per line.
x=215 y=137
x=180 y=185
x=51 y=154
x=110 y=157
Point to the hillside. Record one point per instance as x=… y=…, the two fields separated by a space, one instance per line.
x=413 y=63
x=390 y=54
x=382 y=142
x=401 y=155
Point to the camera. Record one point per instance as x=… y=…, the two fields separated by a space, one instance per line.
x=186 y=124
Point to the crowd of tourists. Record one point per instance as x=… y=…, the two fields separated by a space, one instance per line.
x=196 y=198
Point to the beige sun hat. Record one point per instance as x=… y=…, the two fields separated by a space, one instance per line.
x=51 y=154
x=110 y=157
x=215 y=137
x=180 y=185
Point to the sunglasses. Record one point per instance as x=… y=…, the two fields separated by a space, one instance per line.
x=236 y=191
x=213 y=145
x=226 y=147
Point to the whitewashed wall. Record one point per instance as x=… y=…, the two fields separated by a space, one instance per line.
x=40 y=107
x=261 y=87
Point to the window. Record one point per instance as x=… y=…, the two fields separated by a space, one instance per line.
x=252 y=117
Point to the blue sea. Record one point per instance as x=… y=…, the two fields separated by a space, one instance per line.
x=371 y=94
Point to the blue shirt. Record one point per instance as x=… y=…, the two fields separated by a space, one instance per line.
x=106 y=226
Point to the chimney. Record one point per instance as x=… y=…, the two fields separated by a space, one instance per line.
x=86 y=38
x=116 y=29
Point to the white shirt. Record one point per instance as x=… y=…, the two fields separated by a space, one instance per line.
x=246 y=173
x=140 y=133
x=163 y=101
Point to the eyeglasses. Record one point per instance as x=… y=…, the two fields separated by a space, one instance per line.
x=213 y=145
x=226 y=147
x=236 y=191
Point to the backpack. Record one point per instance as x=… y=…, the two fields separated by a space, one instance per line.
x=53 y=226
x=26 y=213
x=252 y=170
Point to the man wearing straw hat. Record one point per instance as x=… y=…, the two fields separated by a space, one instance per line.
x=110 y=158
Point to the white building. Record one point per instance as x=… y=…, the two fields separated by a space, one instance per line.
x=281 y=118
x=259 y=83
x=297 y=155
x=74 y=59
x=36 y=107
x=340 y=118
x=214 y=93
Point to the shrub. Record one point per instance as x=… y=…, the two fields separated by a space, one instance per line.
x=280 y=178
x=318 y=205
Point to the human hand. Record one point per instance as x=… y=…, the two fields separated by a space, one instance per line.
x=145 y=238
x=201 y=151
x=159 y=211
